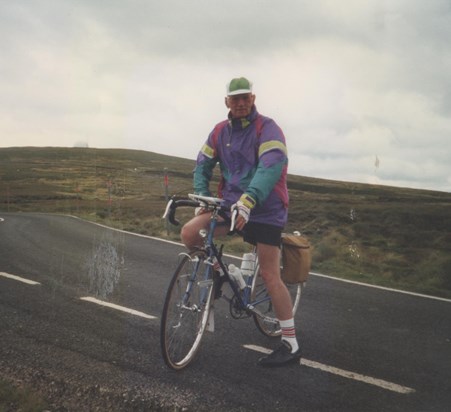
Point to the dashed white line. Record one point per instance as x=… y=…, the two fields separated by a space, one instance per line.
x=19 y=278
x=87 y=298
x=394 y=387
x=118 y=307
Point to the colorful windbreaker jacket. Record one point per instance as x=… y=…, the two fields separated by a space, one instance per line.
x=252 y=156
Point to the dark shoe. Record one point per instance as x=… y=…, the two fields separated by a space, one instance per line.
x=281 y=356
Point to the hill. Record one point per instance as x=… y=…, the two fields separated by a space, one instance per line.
x=382 y=235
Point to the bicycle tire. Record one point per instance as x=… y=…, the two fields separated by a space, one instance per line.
x=266 y=320
x=186 y=310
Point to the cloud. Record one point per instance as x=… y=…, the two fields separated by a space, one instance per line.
x=346 y=82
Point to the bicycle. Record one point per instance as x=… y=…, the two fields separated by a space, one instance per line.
x=197 y=282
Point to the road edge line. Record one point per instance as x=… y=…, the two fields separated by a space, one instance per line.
x=354 y=282
x=394 y=387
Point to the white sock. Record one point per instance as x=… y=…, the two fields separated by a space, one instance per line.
x=289 y=333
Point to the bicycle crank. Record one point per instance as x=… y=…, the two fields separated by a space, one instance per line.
x=236 y=309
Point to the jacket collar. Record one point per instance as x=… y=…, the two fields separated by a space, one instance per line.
x=243 y=122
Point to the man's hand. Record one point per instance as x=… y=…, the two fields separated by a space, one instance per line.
x=242 y=208
x=243 y=213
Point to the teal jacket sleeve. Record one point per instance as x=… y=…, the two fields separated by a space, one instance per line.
x=264 y=181
x=272 y=163
x=202 y=175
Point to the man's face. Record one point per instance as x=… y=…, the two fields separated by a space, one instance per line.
x=240 y=105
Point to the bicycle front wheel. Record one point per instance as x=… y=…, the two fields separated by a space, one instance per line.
x=186 y=310
x=265 y=317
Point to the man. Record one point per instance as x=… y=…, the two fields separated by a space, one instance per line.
x=250 y=149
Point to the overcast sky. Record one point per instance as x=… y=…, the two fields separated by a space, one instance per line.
x=361 y=89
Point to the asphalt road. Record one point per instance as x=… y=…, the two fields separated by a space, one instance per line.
x=364 y=349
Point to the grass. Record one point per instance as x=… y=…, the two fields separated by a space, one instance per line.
x=388 y=236
x=22 y=399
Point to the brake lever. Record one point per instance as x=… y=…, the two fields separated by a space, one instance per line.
x=168 y=207
x=233 y=219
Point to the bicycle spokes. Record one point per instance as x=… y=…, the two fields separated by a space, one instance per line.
x=186 y=310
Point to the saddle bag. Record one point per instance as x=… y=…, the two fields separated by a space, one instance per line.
x=296 y=258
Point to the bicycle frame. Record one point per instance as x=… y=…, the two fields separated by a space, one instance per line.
x=214 y=205
x=243 y=297
x=213 y=252
x=195 y=285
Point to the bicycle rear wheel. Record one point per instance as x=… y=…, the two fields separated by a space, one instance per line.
x=186 y=310
x=266 y=319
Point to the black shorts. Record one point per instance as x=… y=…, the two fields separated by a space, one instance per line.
x=254 y=233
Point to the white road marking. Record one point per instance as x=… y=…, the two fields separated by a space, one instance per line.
x=118 y=307
x=405 y=292
x=394 y=387
x=171 y=242
x=237 y=257
x=19 y=278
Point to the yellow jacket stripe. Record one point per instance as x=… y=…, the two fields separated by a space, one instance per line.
x=272 y=145
x=208 y=151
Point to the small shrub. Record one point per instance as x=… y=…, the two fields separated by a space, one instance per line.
x=323 y=252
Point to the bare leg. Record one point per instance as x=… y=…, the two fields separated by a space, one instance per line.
x=269 y=259
x=288 y=351
x=190 y=231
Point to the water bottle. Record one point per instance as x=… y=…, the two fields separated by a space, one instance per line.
x=248 y=264
x=236 y=275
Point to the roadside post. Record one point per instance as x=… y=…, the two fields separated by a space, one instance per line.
x=166 y=194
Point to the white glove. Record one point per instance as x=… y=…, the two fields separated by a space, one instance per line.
x=242 y=210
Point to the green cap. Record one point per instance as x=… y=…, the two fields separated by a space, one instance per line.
x=239 y=85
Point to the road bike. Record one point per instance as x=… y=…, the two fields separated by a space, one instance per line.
x=197 y=282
